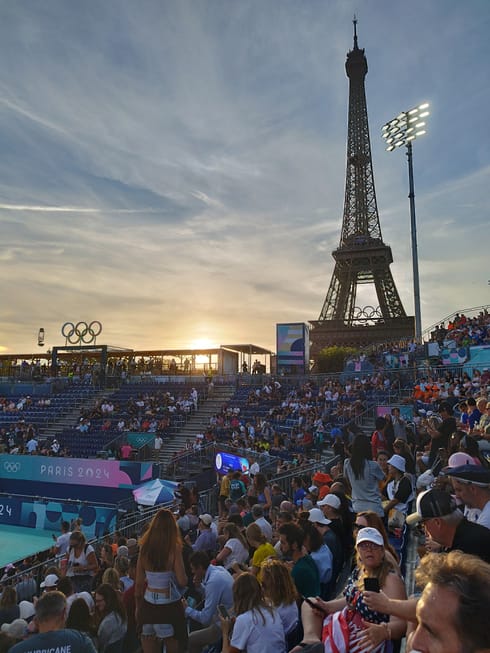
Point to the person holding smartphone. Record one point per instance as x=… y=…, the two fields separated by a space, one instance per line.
x=347 y=623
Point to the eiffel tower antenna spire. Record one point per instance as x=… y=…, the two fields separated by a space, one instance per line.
x=361 y=257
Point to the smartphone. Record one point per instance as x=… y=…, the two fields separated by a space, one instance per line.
x=315 y=606
x=371 y=584
x=223 y=611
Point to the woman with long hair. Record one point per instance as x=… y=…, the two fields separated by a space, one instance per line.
x=402 y=448
x=370 y=518
x=347 y=623
x=235 y=549
x=260 y=489
x=160 y=579
x=363 y=475
x=280 y=593
x=258 y=628
x=9 y=610
x=82 y=564
x=110 y=616
x=79 y=618
x=111 y=577
x=320 y=554
x=106 y=560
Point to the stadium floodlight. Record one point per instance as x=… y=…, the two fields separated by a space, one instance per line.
x=402 y=130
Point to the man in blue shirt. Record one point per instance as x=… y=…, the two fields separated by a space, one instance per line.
x=206 y=540
x=52 y=635
x=217 y=586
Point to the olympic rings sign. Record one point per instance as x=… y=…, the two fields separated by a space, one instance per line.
x=11 y=467
x=81 y=332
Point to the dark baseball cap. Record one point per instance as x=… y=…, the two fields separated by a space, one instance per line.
x=474 y=474
x=432 y=503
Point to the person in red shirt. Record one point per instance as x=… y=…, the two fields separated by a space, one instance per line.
x=379 y=439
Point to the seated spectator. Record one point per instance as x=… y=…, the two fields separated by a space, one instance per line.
x=319 y=552
x=111 y=577
x=110 y=615
x=217 y=586
x=66 y=587
x=262 y=549
x=280 y=593
x=16 y=631
x=53 y=635
x=235 y=549
x=304 y=571
x=261 y=521
x=257 y=628
x=206 y=539
x=348 y=617
x=9 y=610
x=80 y=618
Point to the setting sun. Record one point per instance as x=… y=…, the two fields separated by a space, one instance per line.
x=203 y=343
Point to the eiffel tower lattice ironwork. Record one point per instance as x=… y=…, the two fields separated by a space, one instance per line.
x=362 y=257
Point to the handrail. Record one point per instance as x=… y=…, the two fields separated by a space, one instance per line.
x=463 y=311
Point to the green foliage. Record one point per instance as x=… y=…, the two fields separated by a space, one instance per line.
x=332 y=359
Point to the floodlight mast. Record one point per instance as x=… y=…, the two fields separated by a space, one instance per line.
x=402 y=130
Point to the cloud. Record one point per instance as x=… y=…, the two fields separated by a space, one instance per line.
x=180 y=169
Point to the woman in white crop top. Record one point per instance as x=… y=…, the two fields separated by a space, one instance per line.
x=160 y=580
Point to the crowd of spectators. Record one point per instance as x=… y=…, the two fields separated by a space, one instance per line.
x=324 y=538
x=321 y=538
x=464 y=331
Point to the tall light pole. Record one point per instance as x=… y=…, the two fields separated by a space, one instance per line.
x=402 y=130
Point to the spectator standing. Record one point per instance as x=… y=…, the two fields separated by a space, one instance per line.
x=160 y=578
x=82 y=564
x=364 y=475
x=62 y=542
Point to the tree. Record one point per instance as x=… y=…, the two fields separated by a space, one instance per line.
x=332 y=359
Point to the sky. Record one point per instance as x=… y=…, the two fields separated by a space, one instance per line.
x=175 y=168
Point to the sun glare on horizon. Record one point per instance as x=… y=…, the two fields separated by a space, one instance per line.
x=202 y=343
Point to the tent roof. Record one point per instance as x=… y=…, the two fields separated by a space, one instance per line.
x=248 y=349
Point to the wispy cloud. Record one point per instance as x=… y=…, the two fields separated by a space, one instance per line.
x=181 y=169
x=72 y=209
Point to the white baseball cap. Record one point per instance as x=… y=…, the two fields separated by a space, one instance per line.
x=51 y=580
x=369 y=534
x=331 y=500
x=317 y=517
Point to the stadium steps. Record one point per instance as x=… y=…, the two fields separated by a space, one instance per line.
x=198 y=423
x=71 y=416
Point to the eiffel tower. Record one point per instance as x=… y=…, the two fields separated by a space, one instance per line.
x=362 y=257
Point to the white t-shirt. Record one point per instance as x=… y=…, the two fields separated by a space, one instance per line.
x=484 y=518
x=252 y=635
x=238 y=553
x=62 y=543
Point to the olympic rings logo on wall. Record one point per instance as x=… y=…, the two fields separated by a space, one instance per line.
x=81 y=332
x=11 y=467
